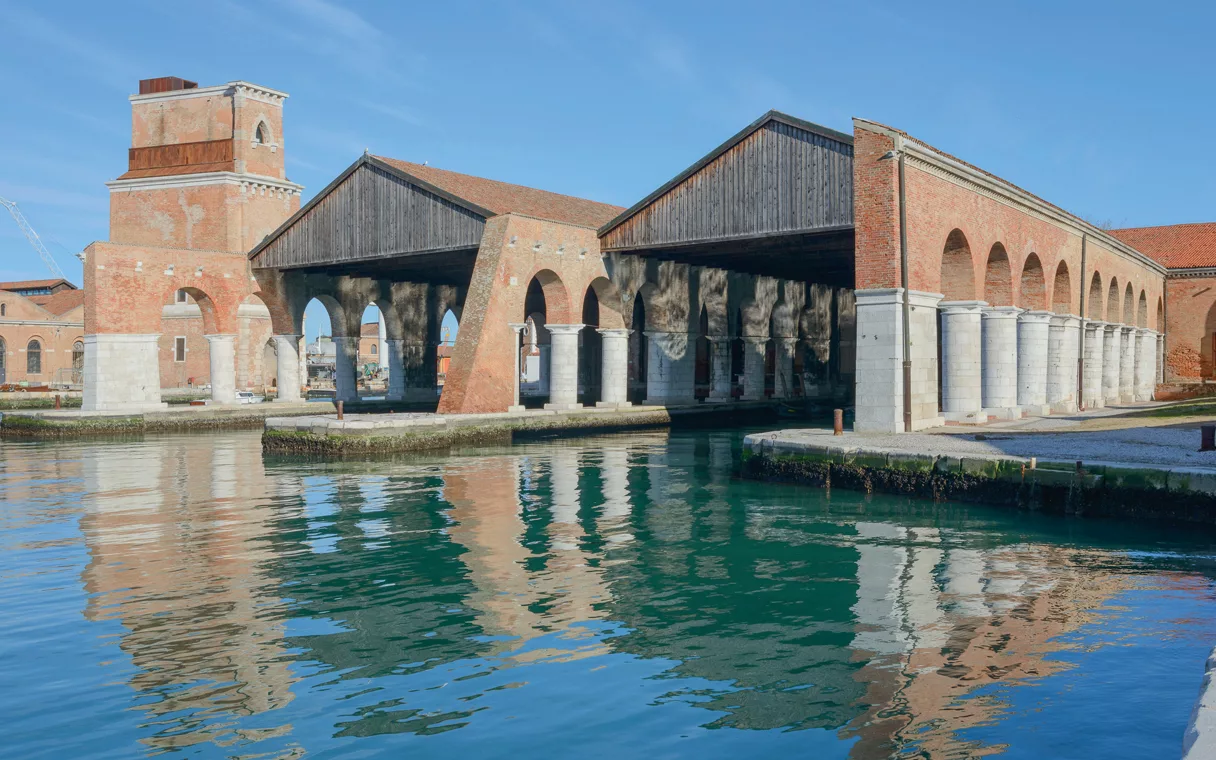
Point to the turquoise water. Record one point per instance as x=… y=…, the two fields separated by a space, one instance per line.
x=622 y=596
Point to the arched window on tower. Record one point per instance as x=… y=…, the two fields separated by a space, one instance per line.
x=78 y=356
x=259 y=136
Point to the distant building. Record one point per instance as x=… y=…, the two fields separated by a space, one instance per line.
x=369 y=345
x=41 y=333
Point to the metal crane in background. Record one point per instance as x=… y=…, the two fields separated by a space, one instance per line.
x=32 y=237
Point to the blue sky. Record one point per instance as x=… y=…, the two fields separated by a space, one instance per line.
x=1086 y=104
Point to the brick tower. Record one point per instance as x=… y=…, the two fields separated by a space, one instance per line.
x=205 y=182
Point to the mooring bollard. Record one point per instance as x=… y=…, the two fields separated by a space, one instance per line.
x=837 y=422
x=58 y=403
x=339 y=410
x=1207 y=438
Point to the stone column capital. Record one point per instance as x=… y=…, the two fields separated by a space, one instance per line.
x=1001 y=312
x=1065 y=320
x=1035 y=315
x=221 y=337
x=1094 y=324
x=563 y=329
x=755 y=340
x=614 y=332
x=518 y=326
x=962 y=307
x=288 y=336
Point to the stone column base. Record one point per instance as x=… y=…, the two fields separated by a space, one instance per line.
x=517 y=408
x=613 y=404
x=1004 y=412
x=1036 y=410
x=1064 y=407
x=562 y=407
x=966 y=418
x=121 y=373
x=927 y=422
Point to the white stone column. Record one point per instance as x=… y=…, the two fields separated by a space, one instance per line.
x=346 y=354
x=670 y=367
x=783 y=367
x=563 y=367
x=1091 y=377
x=418 y=373
x=1145 y=364
x=394 y=361
x=1000 y=362
x=962 y=399
x=1034 y=336
x=121 y=372
x=614 y=367
x=1160 y=357
x=517 y=329
x=1128 y=346
x=753 y=368
x=287 y=367
x=719 y=369
x=1062 y=345
x=879 y=386
x=223 y=368
x=1110 y=364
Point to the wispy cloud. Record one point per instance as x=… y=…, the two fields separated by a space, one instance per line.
x=100 y=62
x=394 y=112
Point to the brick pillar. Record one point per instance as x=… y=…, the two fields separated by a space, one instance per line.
x=614 y=367
x=1034 y=329
x=223 y=368
x=287 y=367
x=1128 y=348
x=670 y=365
x=753 y=367
x=719 y=369
x=960 y=357
x=1110 y=364
x=563 y=367
x=1091 y=377
x=1000 y=362
x=1062 y=363
x=346 y=354
x=121 y=372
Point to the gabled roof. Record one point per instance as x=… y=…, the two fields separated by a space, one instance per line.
x=1176 y=246
x=484 y=197
x=30 y=284
x=60 y=303
x=505 y=198
x=708 y=158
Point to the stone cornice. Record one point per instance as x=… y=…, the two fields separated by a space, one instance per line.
x=933 y=162
x=242 y=88
x=247 y=182
x=1190 y=273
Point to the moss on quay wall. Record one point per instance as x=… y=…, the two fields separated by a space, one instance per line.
x=1095 y=491
x=34 y=426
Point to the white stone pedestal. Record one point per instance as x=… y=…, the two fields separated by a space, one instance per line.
x=287 y=367
x=121 y=372
x=783 y=367
x=1063 y=343
x=879 y=375
x=223 y=368
x=962 y=399
x=1034 y=329
x=753 y=367
x=1110 y=364
x=614 y=367
x=563 y=367
x=1091 y=375
x=670 y=368
x=395 y=361
x=1145 y=364
x=1000 y=362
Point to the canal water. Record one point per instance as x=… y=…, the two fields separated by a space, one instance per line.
x=620 y=596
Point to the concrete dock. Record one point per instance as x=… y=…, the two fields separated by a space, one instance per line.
x=65 y=423
x=364 y=434
x=1141 y=471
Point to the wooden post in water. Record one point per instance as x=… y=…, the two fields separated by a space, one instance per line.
x=58 y=403
x=837 y=422
x=339 y=410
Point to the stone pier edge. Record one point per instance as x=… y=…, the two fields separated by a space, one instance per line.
x=1200 y=739
x=1099 y=489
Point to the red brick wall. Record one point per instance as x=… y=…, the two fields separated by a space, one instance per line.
x=938 y=206
x=1190 y=324
x=24 y=321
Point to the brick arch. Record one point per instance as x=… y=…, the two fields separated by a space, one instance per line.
x=556 y=297
x=958 y=268
x=1142 y=310
x=213 y=313
x=333 y=309
x=1033 y=286
x=1061 y=290
x=1095 y=296
x=608 y=298
x=998 y=277
x=1129 y=305
x=1112 y=300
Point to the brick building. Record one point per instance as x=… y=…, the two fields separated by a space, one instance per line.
x=41 y=333
x=792 y=260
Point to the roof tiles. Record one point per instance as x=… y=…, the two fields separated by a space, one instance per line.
x=1177 y=246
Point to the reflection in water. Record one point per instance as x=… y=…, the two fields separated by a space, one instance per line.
x=627 y=593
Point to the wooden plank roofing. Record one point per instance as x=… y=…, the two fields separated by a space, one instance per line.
x=779 y=176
